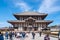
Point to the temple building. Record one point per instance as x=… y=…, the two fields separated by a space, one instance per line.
x=28 y=21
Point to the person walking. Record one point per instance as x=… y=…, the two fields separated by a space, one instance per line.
x=1 y=36
x=10 y=35
x=59 y=35
x=23 y=34
x=15 y=34
x=40 y=33
x=46 y=37
x=6 y=35
x=33 y=34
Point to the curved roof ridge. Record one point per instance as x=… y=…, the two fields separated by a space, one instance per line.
x=30 y=13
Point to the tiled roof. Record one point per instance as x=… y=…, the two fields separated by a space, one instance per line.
x=35 y=21
x=30 y=13
x=16 y=21
x=44 y=21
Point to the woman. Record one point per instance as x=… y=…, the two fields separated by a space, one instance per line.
x=46 y=37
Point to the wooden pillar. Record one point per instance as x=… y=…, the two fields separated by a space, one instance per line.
x=46 y=25
x=21 y=27
x=39 y=27
x=15 y=25
x=34 y=24
x=24 y=24
x=19 y=18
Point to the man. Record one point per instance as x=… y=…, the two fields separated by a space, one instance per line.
x=33 y=34
x=23 y=34
x=59 y=35
x=40 y=33
x=6 y=35
x=10 y=35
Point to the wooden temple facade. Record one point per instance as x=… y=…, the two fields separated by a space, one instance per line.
x=28 y=21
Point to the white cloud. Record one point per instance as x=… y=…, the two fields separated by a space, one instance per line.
x=4 y=24
x=47 y=6
x=23 y=6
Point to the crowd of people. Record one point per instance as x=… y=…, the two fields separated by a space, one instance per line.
x=10 y=35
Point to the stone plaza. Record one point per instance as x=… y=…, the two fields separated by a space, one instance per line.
x=37 y=37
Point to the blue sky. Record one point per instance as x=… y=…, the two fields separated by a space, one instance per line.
x=8 y=7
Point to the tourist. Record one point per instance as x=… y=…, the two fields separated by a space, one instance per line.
x=58 y=38
x=46 y=37
x=18 y=35
x=1 y=36
x=59 y=35
x=15 y=34
x=10 y=35
x=27 y=34
x=6 y=35
x=40 y=33
x=33 y=34
x=23 y=35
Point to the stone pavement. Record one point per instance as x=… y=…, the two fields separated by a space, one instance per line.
x=37 y=37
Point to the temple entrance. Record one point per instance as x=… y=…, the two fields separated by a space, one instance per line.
x=32 y=28
x=35 y=28
x=29 y=29
x=25 y=28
